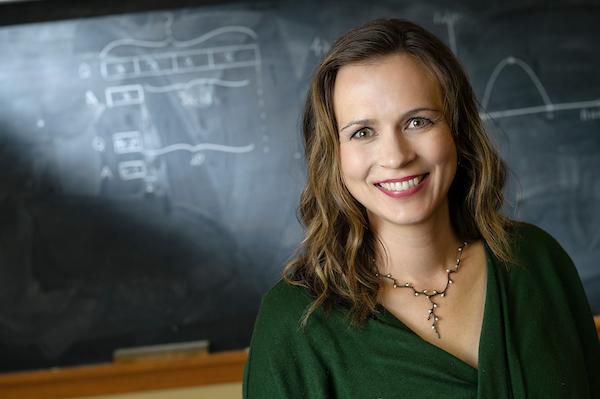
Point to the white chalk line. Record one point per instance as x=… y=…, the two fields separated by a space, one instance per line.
x=176 y=43
x=199 y=81
x=196 y=148
x=540 y=109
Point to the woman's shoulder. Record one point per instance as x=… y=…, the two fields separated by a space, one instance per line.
x=284 y=305
x=535 y=249
x=523 y=231
x=284 y=294
x=530 y=240
x=284 y=308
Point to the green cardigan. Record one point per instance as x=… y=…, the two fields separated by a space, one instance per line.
x=537 y=341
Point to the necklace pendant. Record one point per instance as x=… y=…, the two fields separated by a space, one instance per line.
x=424 y=292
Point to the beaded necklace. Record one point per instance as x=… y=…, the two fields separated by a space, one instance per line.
x=434 y=292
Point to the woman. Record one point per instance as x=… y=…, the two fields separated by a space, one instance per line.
x=409 y=282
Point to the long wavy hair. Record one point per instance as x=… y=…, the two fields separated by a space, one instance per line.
x=335 y=260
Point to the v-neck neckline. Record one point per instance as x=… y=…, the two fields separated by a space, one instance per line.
x=385 y=316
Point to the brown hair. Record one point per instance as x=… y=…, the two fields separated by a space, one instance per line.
x=336 y=257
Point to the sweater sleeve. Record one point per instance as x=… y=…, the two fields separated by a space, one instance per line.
x=280 y=362
x=582 y=317
x=551 y=253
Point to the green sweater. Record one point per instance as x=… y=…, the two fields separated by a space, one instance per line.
x=537 y=341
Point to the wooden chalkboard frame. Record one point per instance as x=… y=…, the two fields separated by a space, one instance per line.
x=106 y=379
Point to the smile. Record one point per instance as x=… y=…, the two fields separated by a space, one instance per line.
x=402 y=185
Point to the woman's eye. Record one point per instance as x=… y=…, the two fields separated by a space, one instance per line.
x=362 y=133
x=418 y=122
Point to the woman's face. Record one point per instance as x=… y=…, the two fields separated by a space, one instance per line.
x=397 y=154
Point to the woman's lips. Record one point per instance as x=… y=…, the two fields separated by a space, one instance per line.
x=402 y=188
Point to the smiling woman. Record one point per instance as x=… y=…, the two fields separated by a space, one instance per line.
x=410 y=282
x=394 y=134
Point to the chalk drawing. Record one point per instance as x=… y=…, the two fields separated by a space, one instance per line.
x=199 y=81
x=548 y=107
x=448 y=18
x=130 y=170
x=173 y=57
x=124 y=95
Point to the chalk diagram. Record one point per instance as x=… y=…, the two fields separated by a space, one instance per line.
x=450 y=18
x=197 y=69
x=569 y=173
x=549 y=175
x=548 y=107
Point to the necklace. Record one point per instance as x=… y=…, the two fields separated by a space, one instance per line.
x=434 y=292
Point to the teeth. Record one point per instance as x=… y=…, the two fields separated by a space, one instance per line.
x=401 y=186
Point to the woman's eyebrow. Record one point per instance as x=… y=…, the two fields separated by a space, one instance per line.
x=410 y=113
x=359 y=122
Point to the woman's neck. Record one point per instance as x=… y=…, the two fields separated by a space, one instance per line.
x=419 y=254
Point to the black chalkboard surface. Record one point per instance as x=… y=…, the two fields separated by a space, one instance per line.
x=150 y=161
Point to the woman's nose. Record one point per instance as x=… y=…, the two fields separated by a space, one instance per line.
x=395 y=151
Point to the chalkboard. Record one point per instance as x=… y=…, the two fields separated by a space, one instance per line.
x=151 y=162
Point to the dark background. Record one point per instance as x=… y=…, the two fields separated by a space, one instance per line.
x=150 y=161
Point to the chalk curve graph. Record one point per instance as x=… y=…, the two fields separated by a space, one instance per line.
x=523 y=65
